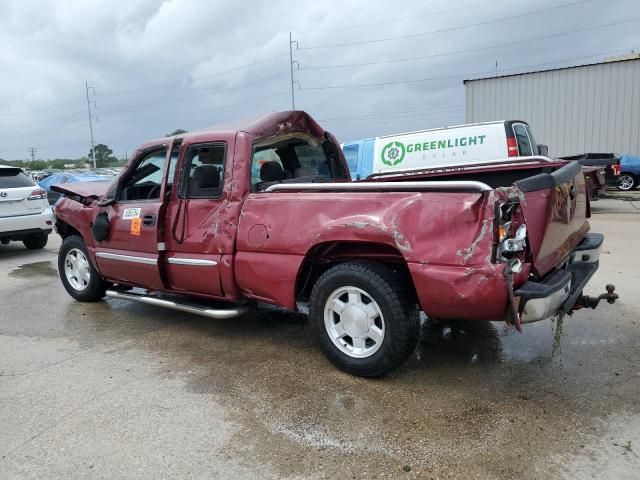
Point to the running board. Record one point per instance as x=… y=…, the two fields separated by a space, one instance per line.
x=220 y=314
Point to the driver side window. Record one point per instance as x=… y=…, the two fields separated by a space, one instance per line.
x=144 y=182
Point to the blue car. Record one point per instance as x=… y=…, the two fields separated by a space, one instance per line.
x=62 y=178
x=629 y=173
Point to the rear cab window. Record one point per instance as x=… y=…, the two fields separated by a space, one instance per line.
x=524 y=141
x=294 y=158
x=15 y=178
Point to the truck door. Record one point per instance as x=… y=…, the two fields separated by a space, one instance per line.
x=130 y=252
x=197 y=234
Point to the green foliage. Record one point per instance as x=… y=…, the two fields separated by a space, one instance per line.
x=104 y=157
x=178 y=131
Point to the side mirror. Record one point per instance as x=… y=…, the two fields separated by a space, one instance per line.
x=105 y=202
x=543 y=150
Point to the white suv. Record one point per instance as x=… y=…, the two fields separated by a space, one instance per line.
x=25 y=214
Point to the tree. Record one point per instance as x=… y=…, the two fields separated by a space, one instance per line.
x=178 y=131
x=103 y=155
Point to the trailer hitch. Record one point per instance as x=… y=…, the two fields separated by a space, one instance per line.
x=585 y=301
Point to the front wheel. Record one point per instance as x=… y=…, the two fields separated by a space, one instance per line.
x=626 y=182
x=79 y=277
x=364 y=318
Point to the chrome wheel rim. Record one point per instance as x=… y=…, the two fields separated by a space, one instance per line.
x=354 y=322
x=77 y=269
x=625 y=182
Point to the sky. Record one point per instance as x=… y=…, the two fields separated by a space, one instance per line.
x=362 y=68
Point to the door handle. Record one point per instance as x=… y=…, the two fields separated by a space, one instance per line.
x=149 y=220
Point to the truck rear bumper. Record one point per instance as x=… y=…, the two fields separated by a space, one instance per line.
x=559 y=291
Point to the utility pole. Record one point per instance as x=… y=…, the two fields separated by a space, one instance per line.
x=93 y=150
x=291 y=63
x=32 y=151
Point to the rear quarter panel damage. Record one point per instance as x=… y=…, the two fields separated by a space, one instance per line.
x=446 y=239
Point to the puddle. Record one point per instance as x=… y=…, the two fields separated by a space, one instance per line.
x=31 y=270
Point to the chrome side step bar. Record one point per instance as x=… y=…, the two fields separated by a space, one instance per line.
x=219 y=314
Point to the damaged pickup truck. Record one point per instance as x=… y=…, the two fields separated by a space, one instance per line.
x=213 y=221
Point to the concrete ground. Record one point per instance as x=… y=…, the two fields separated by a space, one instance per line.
x=122 y=390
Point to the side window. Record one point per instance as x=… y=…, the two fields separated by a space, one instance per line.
x=524 y=144
x=144 y=182
x=205 y=171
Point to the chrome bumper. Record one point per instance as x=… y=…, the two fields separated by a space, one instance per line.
x=559 y=291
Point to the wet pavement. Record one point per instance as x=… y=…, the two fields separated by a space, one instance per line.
x=122 y=390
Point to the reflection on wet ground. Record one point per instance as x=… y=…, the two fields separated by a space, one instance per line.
x=29 y=270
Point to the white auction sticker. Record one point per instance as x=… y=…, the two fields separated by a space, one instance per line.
x=130 y=213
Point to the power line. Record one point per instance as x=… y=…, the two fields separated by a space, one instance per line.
x=470 y=50
x=51 y=120
x=199 y=111
x=52 y=107
x=200 y=95
x=406 y=19
x=385 y=115
x=444 y=77
x=449 y=29
x=191 y=80
x=42 y=134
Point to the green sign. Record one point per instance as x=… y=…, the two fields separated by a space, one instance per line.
x=393 y=153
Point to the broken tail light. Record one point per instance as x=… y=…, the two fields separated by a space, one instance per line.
x=511 y=241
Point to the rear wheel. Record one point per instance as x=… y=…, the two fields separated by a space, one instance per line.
x=80 y=279
x=35 y=242
x=364 y=318
x=627 y=182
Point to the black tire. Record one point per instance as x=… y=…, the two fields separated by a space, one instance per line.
x=627 y=182
x=395 y=302
x=96 y=286
x=36 y=241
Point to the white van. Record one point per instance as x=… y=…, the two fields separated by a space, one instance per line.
x=441 y=147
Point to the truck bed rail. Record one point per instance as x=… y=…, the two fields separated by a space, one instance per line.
x=427 y=186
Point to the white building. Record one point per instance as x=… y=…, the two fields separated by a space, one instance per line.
x=573 y=110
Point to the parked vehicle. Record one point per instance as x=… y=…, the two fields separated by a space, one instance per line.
x=441 y=148
x=192 y=220
x=63 y=178
x=25 y=215
x=594 y=178
x=629 y=173
x=609 y=161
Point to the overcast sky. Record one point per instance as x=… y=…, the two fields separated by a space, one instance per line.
x=161 y=65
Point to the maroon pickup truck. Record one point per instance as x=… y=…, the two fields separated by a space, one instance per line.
x=212 y=221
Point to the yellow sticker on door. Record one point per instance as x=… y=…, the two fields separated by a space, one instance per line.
x=136 y=223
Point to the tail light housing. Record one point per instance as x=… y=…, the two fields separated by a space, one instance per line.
x=512 y=147
x=38 y=194
x=616 y=169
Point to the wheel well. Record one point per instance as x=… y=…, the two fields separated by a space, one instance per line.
x=326 y=255
x=65 y=230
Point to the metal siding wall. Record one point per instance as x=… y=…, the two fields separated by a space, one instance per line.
x=594 y=108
